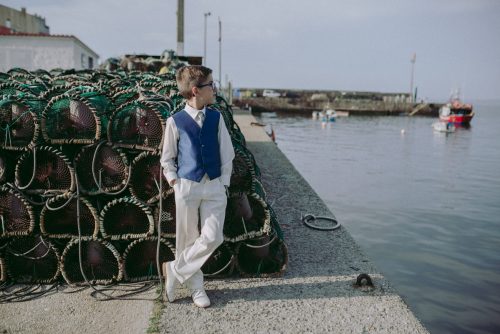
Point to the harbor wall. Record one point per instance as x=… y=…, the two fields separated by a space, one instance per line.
x=356 y=103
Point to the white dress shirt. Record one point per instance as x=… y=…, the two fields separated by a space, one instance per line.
x=171 y=137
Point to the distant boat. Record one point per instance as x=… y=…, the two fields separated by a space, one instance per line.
x=443 y=127
x=330 y=115
x=456 y=112
x=325 y=116
x=342 y=113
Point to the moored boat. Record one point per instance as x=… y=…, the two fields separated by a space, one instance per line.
x=443 y=127
x=456 y=112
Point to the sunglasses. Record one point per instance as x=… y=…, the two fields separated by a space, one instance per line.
x=210 y=84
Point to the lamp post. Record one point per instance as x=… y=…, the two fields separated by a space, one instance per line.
x=220 y=53
x=413 y=59
x=207 y=14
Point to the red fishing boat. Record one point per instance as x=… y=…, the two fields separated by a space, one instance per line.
x=456 y=112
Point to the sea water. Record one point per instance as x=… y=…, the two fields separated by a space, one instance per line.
x=424 y=205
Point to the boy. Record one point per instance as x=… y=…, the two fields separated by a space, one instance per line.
x=197 y=160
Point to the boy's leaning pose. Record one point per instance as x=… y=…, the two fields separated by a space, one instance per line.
x=197 y=160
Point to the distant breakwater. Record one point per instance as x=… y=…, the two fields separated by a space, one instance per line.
x=356 y=103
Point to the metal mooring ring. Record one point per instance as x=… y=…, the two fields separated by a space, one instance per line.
x=308 y=218
x=364 y=278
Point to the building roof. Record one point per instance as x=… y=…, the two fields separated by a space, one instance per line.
x=4 y=31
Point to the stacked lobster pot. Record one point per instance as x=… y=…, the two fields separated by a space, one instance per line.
x=82 y=194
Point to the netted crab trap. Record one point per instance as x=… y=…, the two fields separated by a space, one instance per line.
x=220 y=264
x=60 y=217
x=80 y=160
x=139 y=124
x=247 y=216
x=145 y=179
x=19 y=121
x=168 y=216
x=126 y=218
x=102 y=168
x=17 y=217
x=78 y=116
x=8 y=161
x=245 y=170
x=44 y=170
x=262 y=256
x=32 y=260
x=100 y=261
x=141 y=255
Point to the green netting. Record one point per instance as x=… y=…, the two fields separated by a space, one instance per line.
x=139 y=124
x=32 y=260
x=4 y=77
x=78 y=116
x=19 y=121
x=140 y=258
x=100 y=261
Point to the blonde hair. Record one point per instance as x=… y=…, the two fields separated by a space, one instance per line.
x=191 y=76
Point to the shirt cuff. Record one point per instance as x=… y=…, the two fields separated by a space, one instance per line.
x=226 y=180
x=171 y=176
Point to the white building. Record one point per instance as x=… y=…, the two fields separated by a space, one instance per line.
x=41 y=51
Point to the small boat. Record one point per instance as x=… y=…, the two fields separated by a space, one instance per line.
x=316 y=114
x=325 y=116
x=444 y=127
x=342 y=113
x=330 y=115
x=456 y=112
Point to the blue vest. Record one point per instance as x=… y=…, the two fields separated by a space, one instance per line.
x=198 y=148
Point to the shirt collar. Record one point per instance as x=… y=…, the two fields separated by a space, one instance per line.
x=192 y=111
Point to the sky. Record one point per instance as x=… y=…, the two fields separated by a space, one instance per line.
x=355 y=45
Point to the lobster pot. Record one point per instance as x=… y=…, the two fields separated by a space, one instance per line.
x=16 y=214
x=99 y=259
x=165 y=88
x=167 y=224
x=263 y=256
x=101 y=168
x=58 y=218
x=220 y=263
x=25 y=84
x=54 y=91
x=245 y=171
x=12 y=87
x=32 y=260
x=8 y=161
x=4 y=77
x=3 y=273
x=247 y=216
x=227 y=114
x=20 y=127
x=70 y=77
x=44 y=169
x=76 y=118
x=140 y=258
x=145 y=179
x=125 y=95
x=139 y=125
x=126 y=218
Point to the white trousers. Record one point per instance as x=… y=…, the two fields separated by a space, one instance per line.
x=207 y=201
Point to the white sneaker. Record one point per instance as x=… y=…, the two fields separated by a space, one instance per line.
x=200 y=298
x=171 y=283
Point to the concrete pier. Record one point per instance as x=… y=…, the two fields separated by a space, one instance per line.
x=315 y=295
